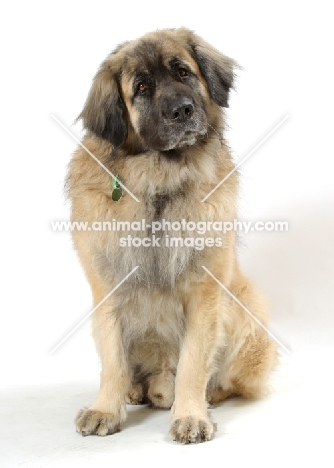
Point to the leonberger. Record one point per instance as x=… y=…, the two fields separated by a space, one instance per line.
x=172 y=333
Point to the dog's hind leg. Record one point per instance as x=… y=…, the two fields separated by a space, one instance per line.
x=218 y=395
x=250 y=353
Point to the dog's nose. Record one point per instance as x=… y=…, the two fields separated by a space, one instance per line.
x=181 y=110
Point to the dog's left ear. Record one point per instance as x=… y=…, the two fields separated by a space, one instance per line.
x=217 y=69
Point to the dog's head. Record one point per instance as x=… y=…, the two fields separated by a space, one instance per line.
x=161 y=92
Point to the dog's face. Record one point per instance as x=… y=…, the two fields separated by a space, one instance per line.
x=166 y=105
x=158 y=92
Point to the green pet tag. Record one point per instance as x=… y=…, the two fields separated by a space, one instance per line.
x=117 y=189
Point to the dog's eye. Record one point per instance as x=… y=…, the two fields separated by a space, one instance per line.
x=183 y=72
x=142 y=88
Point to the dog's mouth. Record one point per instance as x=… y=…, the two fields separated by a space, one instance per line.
x=175 y=153
x=164 y=135
x=188 y=139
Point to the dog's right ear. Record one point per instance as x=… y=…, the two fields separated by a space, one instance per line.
x=216 y=68
x=104 y=112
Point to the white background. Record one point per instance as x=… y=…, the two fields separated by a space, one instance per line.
x=50 y=52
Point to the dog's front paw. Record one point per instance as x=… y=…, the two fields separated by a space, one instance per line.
x=90 y=422
x=192 y=430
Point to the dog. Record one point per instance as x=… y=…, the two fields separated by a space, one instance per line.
x=171 y=333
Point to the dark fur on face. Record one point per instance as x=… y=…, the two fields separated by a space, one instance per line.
x=148 y=94
x=169 y=103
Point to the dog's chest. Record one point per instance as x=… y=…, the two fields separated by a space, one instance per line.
x=159 y=204
x=155 y=239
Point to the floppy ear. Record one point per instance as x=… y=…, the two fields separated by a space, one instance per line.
x=217 y=69
x=104 y=111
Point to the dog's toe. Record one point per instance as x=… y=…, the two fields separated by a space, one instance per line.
x=190 y=429
x=90 y=422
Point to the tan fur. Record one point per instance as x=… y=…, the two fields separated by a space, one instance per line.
x=169 y=334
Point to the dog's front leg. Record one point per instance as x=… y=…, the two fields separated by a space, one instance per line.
x=108 y=411
x=191 y=422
